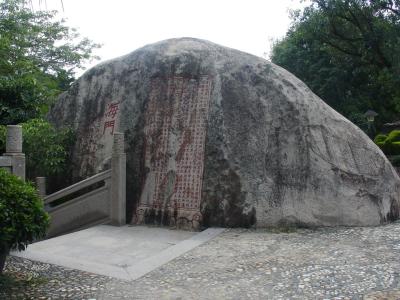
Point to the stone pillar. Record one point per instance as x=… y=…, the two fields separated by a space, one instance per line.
x=14 y=150
x=14 y=139
x=118 y=181
x=41 y=186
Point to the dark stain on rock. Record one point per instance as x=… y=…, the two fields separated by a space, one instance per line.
x=135 y=168
x=150 y=216
x=393 y=214
x=225 y=206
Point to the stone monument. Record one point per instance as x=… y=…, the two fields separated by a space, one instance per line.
x=218 y=137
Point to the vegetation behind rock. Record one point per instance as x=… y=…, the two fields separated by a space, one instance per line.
x=347 y=53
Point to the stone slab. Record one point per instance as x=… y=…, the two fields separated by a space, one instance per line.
x=127 y=252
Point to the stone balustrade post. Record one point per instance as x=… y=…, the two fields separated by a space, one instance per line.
x=118 y=181
x=41 y=186
x=14 y=150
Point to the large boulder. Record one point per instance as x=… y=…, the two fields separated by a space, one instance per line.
x=218 y=137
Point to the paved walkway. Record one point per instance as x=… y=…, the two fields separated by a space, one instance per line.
x=126 y=252
x=328 y=263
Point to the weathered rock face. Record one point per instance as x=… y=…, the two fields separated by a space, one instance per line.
x=217 y=137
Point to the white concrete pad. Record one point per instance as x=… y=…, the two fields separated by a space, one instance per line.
x=126 y=252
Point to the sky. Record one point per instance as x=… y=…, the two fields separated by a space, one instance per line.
x=122 y=26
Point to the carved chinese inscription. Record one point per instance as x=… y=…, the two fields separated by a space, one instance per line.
x=109 y=117
x=96 y=143
x=175 y=132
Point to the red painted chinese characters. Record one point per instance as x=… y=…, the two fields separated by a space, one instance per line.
x=109 y=117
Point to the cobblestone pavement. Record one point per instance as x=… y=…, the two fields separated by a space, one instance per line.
x=327 y=263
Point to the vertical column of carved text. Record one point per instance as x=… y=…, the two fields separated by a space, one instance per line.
x=204 y=94
x=180 y=125
x=191 y=174
x=158 y=153
x=176 y=94
x=185 y=160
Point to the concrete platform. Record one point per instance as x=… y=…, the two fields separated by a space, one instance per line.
x=126 y=252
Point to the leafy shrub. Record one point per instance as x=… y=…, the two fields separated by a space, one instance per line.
x=380 y=139
x=47 y=149
x=394 y=136
x=389 y=144
x=22 y=217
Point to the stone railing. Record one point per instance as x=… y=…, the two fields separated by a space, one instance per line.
x=14 y=160
x=104 y=203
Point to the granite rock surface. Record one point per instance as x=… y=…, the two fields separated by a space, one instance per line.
x=218 y=137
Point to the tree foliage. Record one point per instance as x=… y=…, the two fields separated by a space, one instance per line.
x=22 y=218
x=38 y=58
x=47 y=150
x=390 y=144
x=347 y=52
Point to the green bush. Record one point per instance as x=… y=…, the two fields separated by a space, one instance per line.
x=389 y=144
x=22 y=217
x=47 y=149
x=380 y=139
x=394 y=136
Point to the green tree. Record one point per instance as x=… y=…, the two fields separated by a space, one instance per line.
x=347 y=52
x=47 y=151
x=38 y=59
x=22 y=218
